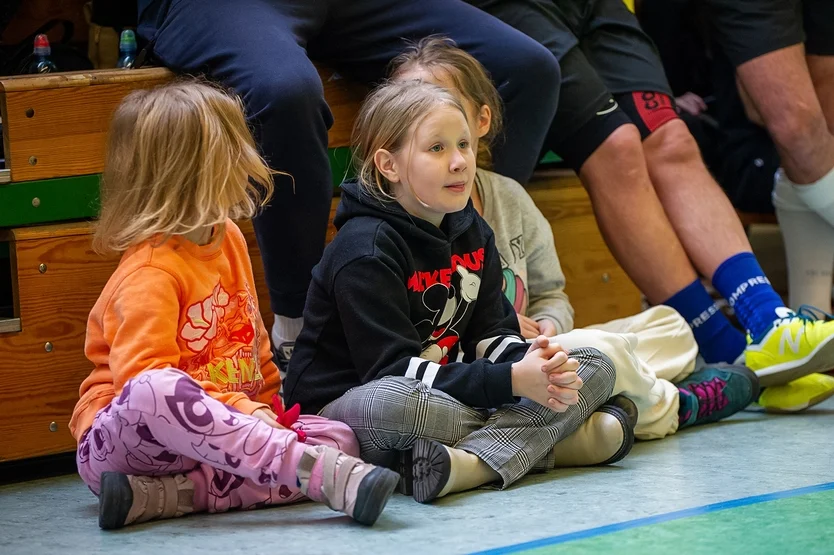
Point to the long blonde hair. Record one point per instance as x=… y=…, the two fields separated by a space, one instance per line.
x=468 y=75
x=384 y=122
x=180 y=158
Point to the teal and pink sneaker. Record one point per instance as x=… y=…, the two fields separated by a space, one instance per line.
x=715 y=392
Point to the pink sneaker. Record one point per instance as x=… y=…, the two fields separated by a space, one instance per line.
x=346 y=484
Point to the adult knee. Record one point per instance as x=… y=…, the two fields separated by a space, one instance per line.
x=671 y=145
x=288 y=99
x=531 y=69
x=622 y=149
x=798 y=128
x=537 y=67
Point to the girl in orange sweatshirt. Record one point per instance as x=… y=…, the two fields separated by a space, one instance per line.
x=174 y=418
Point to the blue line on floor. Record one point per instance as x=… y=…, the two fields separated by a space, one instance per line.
x=657 y=519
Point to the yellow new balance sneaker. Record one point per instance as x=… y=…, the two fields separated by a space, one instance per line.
x=797 y=395
x=799 y=343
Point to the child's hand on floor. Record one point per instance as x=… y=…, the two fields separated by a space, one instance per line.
x=268 y=416
x=532 y=381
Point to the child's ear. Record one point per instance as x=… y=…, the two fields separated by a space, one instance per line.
x=484 y=120
x=386 y=165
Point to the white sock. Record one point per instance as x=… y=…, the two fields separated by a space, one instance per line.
x=818 y=196
x=809 y=247
x=285 y=330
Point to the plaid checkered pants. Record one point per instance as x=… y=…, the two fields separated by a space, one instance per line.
x=390 y=414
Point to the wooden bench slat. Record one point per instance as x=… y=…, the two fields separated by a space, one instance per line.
x=67 y=130
x=16 y=83
x=56 y=125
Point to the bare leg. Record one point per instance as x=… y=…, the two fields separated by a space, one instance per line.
x=780 y=87
x=700 y=212
x=631 y=216
x=822 y=74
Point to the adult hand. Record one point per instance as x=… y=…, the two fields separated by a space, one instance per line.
x=691 y=103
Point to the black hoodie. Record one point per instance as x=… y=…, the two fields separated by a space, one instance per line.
x=395 y=295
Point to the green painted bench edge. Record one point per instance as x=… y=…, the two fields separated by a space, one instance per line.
x=74 y=198
x=49 y=200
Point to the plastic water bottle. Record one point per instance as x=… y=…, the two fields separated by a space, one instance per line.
x=41 y=62
x=127 y=49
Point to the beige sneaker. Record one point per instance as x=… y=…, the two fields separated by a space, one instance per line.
x=125 y=499
x=605 y=438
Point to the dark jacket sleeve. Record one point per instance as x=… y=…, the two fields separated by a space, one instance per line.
x=493 y=332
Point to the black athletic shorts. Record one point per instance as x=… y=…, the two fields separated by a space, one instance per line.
x=604 y=56
x=747 y=29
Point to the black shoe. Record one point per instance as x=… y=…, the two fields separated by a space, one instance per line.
x=431 y=469
x=374 y=492
x=627 y=406
x=405 y=468
x=625 y=411
x=114 y=501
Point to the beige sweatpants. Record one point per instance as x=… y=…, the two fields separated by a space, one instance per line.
x=651 y=351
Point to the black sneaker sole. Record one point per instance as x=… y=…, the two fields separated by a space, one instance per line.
x=623 y=418
x=431 y=469
x=114 y=500
x=374 y=492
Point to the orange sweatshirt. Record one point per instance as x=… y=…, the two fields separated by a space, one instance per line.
x=180 y=305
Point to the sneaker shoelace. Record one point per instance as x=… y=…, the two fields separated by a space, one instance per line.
x=808 y=313
x=710 y=395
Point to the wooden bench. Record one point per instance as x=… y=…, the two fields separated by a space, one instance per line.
x=54 y=129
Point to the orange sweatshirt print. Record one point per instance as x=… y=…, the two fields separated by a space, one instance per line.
x=180 y=305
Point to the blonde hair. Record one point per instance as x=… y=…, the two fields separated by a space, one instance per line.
x=180 y=158
x=468 y=75
x=384 y=122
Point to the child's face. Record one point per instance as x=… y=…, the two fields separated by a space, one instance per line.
x=479 y=118
x=432 y=174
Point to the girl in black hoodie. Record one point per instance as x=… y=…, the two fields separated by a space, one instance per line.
x=407 y=335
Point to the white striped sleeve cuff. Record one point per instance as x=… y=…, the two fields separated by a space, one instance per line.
x=423 y=370
x=493 y=347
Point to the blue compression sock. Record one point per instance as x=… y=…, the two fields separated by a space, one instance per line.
x=717 y=339
x=742 y=282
